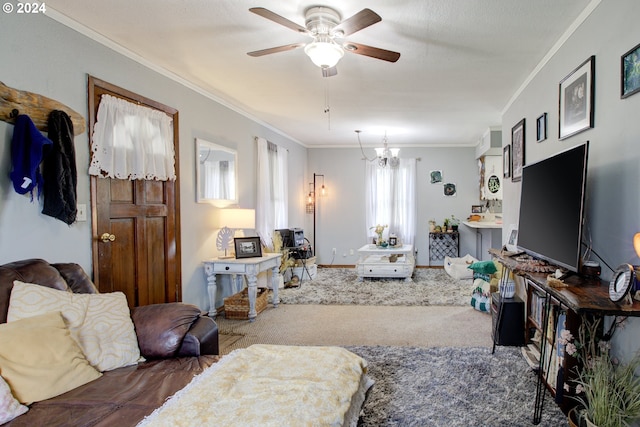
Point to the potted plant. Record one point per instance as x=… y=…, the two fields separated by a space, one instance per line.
x=607 y=392
x=454 y=222
x=286 y=261
x=446 y=225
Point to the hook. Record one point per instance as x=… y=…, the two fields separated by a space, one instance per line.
x=14 y=113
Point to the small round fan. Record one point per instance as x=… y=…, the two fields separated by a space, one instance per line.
x=622 y=283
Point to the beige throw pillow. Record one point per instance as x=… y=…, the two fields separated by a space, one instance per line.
x=39 y=359
x=100 y=323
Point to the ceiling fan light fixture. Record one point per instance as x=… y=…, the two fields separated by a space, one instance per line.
x=325 y=54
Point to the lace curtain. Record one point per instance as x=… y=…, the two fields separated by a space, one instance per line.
x=391 y=199
x=272 y=208
x=132 y=142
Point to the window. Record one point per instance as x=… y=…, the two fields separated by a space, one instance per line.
x=272 y=208
x=391 y=199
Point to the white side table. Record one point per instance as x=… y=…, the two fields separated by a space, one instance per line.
x=375 y=262
x=249 y=267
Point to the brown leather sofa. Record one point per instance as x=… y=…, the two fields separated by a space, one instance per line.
x=177 y=340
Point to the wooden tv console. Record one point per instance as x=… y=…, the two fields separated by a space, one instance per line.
x=567 y=306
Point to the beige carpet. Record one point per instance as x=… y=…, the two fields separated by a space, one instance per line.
x=342 y=325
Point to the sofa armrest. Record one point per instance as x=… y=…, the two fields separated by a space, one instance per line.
x=161 y=328
x=201 y=339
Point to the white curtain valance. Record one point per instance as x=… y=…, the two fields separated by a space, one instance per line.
x=132 y=142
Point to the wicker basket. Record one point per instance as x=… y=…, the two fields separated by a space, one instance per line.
x=236 y=307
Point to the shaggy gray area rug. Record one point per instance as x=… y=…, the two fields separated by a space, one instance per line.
x=452 y=387
x=340 y=286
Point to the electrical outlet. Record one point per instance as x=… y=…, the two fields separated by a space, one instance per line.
x=82 y=212
x=350 y=251
x=333 y=251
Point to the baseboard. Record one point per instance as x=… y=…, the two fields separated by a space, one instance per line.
x=353 y=266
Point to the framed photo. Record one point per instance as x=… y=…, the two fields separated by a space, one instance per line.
x=517 y=150
x=476 y=208
x=576 y=99
x=541 y=127
x=630 y=72
x=512 y=241
x=247 y=247
x=506 y=161
x=436 y=177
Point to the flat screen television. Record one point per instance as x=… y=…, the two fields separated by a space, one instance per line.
x=552 y=208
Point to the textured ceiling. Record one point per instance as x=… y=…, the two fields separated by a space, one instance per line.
x=461 y=61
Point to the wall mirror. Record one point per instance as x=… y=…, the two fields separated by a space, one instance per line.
x=216 y=173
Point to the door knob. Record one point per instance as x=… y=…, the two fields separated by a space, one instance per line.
x=106 y=237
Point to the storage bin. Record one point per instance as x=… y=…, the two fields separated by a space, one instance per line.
x=236 y=307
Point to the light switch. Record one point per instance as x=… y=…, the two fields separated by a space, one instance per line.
x=82 y=212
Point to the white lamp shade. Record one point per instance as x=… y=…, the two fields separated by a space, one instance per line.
x=395 y=152
x=324 y=54
x=237 y=218
x=380 y=152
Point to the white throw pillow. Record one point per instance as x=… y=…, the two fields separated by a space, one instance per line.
x=100 y=323
x=9 y=406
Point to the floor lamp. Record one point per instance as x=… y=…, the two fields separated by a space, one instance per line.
x=315 y=204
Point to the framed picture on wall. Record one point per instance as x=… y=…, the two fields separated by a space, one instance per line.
x=630 y=72
x=541 y=127
x=506 y=161
x=576 y=99
x=517 y=150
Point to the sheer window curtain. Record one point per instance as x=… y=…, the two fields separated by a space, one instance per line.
x=131 y=141
x=272 y=207
x=391 y=199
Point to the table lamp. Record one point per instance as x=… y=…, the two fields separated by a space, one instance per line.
x=232 y=222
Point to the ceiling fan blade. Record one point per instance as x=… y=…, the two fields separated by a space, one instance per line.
x=374 y=52
x=328 y=72
x=275 y=49
x=266 y=13
x=357 y=22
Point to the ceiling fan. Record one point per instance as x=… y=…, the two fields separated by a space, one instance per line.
x=325 y=26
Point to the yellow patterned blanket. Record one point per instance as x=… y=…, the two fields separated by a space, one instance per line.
x=269 y=385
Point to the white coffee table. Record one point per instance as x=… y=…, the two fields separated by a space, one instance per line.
x=376 y=262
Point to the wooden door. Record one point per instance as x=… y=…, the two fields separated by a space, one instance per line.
x=135 y=224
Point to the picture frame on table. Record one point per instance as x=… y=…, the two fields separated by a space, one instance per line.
x=506 y=161
x=630 y=72
x=476 y=209
x=541 y=128
x=517 y=150
x=576 y=100
x=247 y=247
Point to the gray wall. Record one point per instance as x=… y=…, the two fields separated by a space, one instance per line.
x=340 y=219
x=613 y=199
x=43 y=56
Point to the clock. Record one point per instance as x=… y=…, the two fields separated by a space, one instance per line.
x=622 y=282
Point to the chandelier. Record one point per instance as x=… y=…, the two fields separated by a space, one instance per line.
x=386 y=155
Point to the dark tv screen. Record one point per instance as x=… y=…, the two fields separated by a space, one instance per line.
x=552 y=207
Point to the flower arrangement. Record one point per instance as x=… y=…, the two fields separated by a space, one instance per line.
x=607 y=392
x=379 y=229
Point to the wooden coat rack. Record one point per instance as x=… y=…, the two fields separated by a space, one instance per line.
x=37 y=107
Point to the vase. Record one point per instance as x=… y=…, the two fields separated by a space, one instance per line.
x=572 y=417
